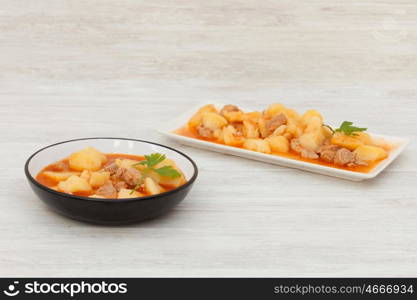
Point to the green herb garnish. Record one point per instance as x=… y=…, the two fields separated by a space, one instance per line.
x=152 y=160
x=348 y=129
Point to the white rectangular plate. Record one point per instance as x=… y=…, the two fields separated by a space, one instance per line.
x=182 y=120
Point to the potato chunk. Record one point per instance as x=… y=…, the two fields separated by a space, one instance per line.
x=126 y=193
x=363 y=137
x=250 y=130
x=274 y=109
x=96 y=196
x=370 y=153
x=231 y=136
x=311 y=141
x=87 y=159
x=308 y=115
x=86 y=175
x=152 y=187
x=98 y=178
x=59 y=176
x=257 y=145
x=213 y=121
x=196 y=119
x=74 y=184
x=279 y=144
x=126 y=163
x=345 y=141
x=168 y=181
x=314 y=124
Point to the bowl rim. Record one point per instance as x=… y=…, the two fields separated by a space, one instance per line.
x=110 y=200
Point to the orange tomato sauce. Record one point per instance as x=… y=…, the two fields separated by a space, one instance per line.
x=185 y=131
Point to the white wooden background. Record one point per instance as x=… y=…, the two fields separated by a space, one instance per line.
x=80 y=68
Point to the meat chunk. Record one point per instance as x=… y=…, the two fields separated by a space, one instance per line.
x=239 y=127
x=204 y=131
x=328 y=152
x=306 y=153
x=130 y=176
x=344 y=157
x=112 y=168
x=119 y=185
x=229 y=108
x=107 y=190
x=275 y=122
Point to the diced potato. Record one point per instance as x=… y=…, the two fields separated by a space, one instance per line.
x=280 y=130
x=196 y=119
x=250 y=130
x=363 y=137
x=274 y=109
x=85 y=174
x=98 y=178
x=293 y=129
x=327 y=132
x=172 y=182
x=288 y=136
x=97 y=196
x=167 y=181
x=370 y=153
x=305 y=119
x=257 y=145
x=218 y=134
x=278 y=144
x=345 y=141
x=59 y=176
x=74 y=184
x=230 y=136
x=234 y=116
x=311 y=141
x=291 y=114
x=263 y=129
x=125 y=193
x=252 y=116
x=166 y=162
x=213 y=120
x=152 y=187
x=314 y=124
x=125 y=162
x=382 y=143
x=87 y=159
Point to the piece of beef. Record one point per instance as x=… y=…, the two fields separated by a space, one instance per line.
x=306 y=153
x=344 y=157
x=130 y=176
x=107 y=190
x=328 y=152
x=204 y=131
x=112 y=168
x=118 y=185
x=276 y=121
x=229 y=108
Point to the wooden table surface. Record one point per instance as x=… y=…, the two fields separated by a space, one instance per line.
x=72 y=69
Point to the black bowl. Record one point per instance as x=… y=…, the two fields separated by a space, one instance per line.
x=109 y=211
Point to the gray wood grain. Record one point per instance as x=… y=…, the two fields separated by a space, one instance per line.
x=73 y=69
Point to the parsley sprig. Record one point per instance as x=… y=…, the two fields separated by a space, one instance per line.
x=348 y=129
x=150 y=162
